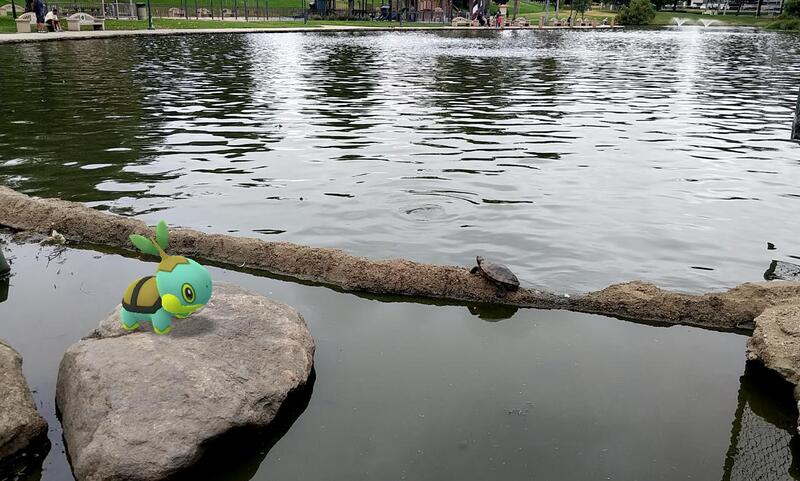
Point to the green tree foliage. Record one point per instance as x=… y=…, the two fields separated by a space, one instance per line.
x=792 y=8
x=638 y=12
x=581 y=6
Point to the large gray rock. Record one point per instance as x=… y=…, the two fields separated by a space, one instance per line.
x=20 y=423
x=776 y=342
x=138 y=406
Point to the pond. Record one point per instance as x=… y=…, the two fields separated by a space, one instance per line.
x=418 y=391
x=578 y=158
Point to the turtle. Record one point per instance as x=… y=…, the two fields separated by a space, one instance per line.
x=180 y=287
x=500 y=275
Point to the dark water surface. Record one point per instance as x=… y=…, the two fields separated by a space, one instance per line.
x=579 y=158
x=425 y=392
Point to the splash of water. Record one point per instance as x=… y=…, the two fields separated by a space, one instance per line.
x=680 y=21
x=707 y=23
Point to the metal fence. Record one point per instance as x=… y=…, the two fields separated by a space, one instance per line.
x=249 y=10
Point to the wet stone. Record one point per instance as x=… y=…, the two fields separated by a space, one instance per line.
x=22 y=429
x=139 y=406
x=775 y=343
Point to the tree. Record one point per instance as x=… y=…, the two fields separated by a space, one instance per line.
x=638 y=12
x=581 y=6
x=792 y=8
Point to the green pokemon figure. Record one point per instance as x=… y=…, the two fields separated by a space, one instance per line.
x=180 y=287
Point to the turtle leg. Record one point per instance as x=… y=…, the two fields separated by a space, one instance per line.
x=129 y=320
x=475 y=270
x=162 y=321
x=501 y=290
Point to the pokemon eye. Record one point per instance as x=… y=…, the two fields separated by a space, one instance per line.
x=188 y=293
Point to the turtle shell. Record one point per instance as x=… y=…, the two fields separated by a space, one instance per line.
x=142 y=296
x=499 y=273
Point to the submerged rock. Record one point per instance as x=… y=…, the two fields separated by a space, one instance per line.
x=21 y=426
x=776 y=342
x=138 y=406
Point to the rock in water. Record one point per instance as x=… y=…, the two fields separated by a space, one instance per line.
x=782 y=270
x=20 y=424
x=138 y=406
x=776 y=342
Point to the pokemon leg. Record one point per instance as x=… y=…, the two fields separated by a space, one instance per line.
x=162 y=322
x=129 y=321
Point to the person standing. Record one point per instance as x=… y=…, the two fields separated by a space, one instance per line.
x=499 y=19
x=39 y=10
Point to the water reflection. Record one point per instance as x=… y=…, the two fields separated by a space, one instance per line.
x=493 y=313
x=4 y=288
x=764 y=440
x=582 y=158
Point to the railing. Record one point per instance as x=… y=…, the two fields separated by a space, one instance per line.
x=251 y=10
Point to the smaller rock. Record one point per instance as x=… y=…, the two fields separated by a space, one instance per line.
x=21 y=426
x=782 y=270
x=776 y=341
x=5 y=269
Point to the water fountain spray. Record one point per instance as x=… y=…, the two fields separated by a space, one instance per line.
x=796 y=123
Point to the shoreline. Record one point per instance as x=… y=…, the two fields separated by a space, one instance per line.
x=7 y=38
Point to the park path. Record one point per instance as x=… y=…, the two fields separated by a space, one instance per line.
x=90 y=34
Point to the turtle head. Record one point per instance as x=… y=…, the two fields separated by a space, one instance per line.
x=183 y=284
x=185 y=288
x=479 y=259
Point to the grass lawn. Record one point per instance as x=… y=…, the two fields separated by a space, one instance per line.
x=564 y=13
x=7 y=24
x=665 y=18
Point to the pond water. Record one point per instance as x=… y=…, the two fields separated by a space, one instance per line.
x=578 y=158
x=413 y=391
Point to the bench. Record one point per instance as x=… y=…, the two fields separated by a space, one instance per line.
x=80 y=19
x=461 y=22
x=25 y=21
x=175 y=12
x=6 y=10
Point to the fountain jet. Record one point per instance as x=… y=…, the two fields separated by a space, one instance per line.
x=796 y=123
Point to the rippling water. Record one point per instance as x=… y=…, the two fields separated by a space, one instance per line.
x=578 y=158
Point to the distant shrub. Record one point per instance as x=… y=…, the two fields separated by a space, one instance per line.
x=792 y=8
x=638 y=12
x=785 y=23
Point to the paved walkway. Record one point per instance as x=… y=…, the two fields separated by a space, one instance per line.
x=83 y=35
